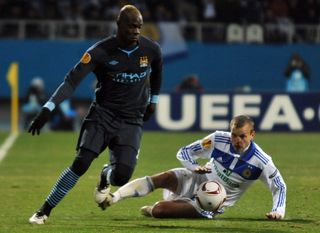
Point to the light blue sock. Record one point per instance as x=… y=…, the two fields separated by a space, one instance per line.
x=64 y=184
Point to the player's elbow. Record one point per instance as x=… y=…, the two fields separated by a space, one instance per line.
x=283 y=188
x=280 y=186
x=179 y=154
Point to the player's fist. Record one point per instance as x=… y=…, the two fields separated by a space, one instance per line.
x=39 y=121
x=274 y=216
x=149 y=111
x=202 y=170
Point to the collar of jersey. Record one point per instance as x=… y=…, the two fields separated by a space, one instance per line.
x=128 y=52
x=247 y=154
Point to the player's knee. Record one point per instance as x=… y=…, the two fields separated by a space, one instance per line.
x=121 y=175
x=167 y=180
x=159 y=210
x=82 y=161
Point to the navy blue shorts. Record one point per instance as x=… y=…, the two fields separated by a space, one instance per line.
x=102 y=128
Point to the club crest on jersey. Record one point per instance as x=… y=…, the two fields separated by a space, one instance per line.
x=86 y=58
x=246 y=173
x=144 y=61
x=206 y=143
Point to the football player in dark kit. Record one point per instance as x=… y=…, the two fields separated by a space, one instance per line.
x=128 y=68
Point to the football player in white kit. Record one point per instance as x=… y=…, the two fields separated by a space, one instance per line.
x=236 y=161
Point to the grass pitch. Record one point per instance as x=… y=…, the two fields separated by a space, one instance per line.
x=34 y=163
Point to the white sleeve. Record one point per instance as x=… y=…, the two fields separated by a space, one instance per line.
x=273 y=179
x=188 y=155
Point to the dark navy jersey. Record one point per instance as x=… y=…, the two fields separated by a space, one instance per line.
x=126 y=78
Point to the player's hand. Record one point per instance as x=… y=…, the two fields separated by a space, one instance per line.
x=39 y=121
x=202 y=170
x=149 y=111
x=274 y=216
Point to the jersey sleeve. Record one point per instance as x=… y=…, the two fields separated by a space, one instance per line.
x=202 y=148
x=73 y=78
x=274 y=181
x=156 y=72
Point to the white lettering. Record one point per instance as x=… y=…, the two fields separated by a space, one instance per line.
x=212 y=106
x=215 y=111
x=244 y=104
x=188 y=113
x=281 y=111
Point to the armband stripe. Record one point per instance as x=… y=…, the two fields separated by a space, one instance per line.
x=50 y=105
x=154 y=99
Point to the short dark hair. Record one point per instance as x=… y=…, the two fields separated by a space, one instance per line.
x=240 y=121
x=128 y=9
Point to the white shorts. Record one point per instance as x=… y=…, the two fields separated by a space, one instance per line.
x=188 y=183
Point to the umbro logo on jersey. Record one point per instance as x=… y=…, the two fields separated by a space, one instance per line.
x=113 y=62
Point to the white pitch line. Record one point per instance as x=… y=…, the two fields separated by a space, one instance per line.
x=7 y=145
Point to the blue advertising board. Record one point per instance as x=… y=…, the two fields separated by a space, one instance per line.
x=219 y=67
x=212 y=111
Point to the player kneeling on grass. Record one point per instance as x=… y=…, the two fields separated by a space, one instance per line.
x=236 y=161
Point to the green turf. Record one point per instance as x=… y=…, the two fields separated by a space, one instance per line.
x=3 y=136
x=34 y=163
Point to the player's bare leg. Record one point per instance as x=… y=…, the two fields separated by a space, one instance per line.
x=165 y=180
x=170 y=209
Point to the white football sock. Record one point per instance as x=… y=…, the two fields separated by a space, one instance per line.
x=136 y=188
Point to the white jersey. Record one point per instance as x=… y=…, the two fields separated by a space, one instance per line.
x=236 y=172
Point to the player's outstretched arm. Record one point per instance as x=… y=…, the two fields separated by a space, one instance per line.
x=274 y=216
x=39 y=121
